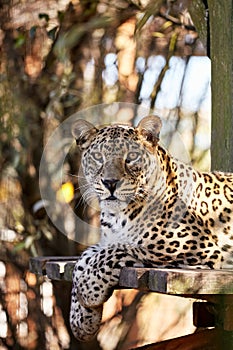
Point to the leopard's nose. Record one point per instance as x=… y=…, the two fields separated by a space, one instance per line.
x=110 y=184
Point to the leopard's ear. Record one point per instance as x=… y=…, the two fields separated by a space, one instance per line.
x=149 y=128
x=83 y=133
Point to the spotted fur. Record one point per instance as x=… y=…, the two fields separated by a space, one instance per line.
x=155 y=210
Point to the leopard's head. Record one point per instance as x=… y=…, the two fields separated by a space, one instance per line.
x=118 y=161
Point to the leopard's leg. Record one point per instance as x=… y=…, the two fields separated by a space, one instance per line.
x=84 y=322
x=95 y=284
x=91 y=278
x=94 y=278
x=82 y=262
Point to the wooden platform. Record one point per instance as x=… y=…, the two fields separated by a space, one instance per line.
x=169 y=281
x=213 y=287
x=54 y=267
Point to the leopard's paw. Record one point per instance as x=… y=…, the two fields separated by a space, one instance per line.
x=94 y=296
x=92 y=292
x=84 y=322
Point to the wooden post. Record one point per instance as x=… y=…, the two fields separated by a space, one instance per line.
x=221 y=49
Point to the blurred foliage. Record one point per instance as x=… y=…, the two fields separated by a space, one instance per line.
x=53 y=63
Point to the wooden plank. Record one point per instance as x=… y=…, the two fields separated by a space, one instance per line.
x=60 y=270
x=192 y=282
x=178 y=281
x=68 y=271
x=225 y=308
x=205 y=314
x=213 y=339
x=171 y=281
x=37 y=264
x=55 y=270
x=133 y=278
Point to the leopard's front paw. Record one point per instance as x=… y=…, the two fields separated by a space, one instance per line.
x=85 y=322
x=93 y=292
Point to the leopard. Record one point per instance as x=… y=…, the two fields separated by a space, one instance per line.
x=155 y=211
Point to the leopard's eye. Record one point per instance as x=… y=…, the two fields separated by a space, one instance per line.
x=132 y=157
x=98 y=156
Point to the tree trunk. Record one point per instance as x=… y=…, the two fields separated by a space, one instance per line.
x=221 y=48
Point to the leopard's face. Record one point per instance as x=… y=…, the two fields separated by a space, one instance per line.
x=118 y=161
x=118 y=167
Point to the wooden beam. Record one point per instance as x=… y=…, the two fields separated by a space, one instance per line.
x=211 y=339
x=178 y=281
x=40 y=265
x=221 y=49
x=170 y=281
x=197 y=11
x=205 y=314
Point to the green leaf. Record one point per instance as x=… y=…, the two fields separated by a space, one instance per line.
x=142 y=21
x=20 y=40
x=19 y=246
x=152 y=9
x=70 y=39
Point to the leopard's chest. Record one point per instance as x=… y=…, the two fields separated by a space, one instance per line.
x=121 y=228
